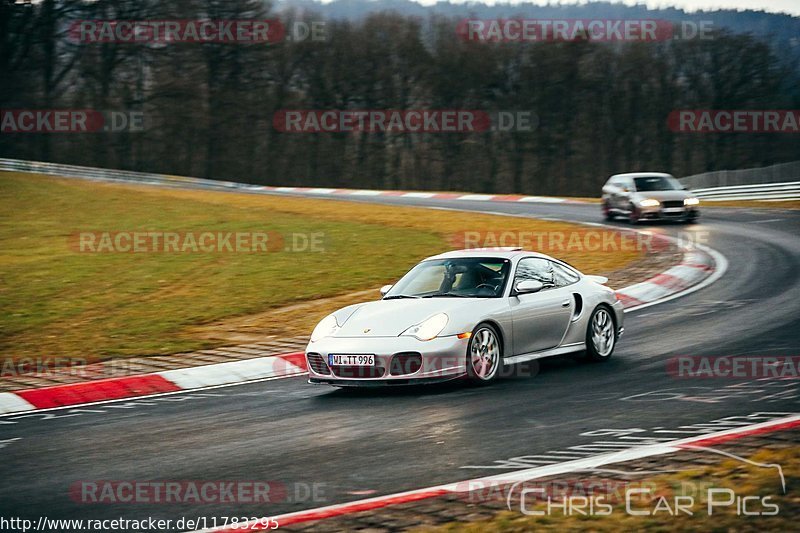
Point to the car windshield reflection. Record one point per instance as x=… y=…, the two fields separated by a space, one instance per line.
x=657 y=183
x=453 y=278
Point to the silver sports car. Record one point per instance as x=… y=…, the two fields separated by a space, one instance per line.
x=648 y=195
x=466 y=313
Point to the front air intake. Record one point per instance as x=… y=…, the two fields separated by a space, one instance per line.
x=405 y=363
x=317 y=363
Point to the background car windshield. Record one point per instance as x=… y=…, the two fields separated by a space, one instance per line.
x=656 y=183
x=463 y=277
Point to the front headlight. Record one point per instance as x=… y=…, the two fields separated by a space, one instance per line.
x=428 y=328
x=691 y=201
x=326 y=327
x=649 y=202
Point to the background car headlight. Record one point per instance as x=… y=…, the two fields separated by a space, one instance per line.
x=427 y=329
x=649 y=202
x=326 y=327
x=691 y=201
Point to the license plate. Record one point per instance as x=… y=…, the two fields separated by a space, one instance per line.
x=673 y=210
x=351 y=360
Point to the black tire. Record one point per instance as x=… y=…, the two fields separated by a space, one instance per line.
x=608 y=216
x=633 y=215
x=485 y=346
x=601 y=335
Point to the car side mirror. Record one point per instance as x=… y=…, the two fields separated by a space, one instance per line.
x=385 y=289
x=528 y=286
x=625 y=189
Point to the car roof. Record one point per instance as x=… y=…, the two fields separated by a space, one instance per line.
x=495 y=253
x=643 y=175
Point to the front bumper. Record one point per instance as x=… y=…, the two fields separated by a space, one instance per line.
x=619 y=317
x=440 y=359
x=660 y=212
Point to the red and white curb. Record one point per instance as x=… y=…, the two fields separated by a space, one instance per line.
x=700 y=267
x=528 y=474
x=169 y=381
x=469 y=197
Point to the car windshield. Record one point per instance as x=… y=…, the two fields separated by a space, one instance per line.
x=657 y=183
x=453 y=278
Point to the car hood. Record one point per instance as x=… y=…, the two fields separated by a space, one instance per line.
x=390 y=318
x=663 y=195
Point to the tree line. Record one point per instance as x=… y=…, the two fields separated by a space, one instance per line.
x=209 y=109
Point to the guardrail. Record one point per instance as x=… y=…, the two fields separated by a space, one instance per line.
x=767 y=191
x=102 y=174
x=775 y=174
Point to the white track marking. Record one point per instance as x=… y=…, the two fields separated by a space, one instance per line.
x=418 y=195
x=542 y=199
x=528 y=474
x=476 y=197
x=4 y=443
x=233 y=372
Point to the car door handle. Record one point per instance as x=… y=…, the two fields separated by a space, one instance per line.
x=565 y=303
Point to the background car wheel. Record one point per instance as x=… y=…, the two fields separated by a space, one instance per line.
x=633 y=216
x=601 y=335
x=484 y=355
x=607 y=214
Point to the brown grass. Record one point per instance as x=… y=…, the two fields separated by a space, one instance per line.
x=61 y=303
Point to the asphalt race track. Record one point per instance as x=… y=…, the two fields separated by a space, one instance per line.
x=347 y=445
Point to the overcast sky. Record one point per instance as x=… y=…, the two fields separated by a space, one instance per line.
x=774 y=6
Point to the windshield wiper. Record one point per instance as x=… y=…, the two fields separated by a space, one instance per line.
x=448 y=295
x=399 y=296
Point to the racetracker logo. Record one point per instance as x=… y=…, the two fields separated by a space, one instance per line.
x=194 y=242
x=734 y=121
x=600 y=30
x=43 y=366
x=195 y=492
x=477 y=491
x=177 y=31
x=403 y=121
x=705 y=367
x=380 y=121
x=554 y=242
x=70 y=121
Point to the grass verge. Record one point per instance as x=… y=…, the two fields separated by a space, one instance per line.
x=59 y=302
